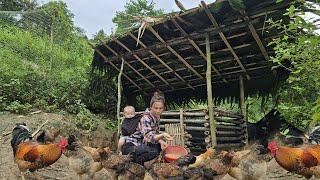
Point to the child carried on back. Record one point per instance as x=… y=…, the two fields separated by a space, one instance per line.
x=129 y=114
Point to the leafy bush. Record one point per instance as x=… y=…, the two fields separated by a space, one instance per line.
x=17 y=107
x=86 y=120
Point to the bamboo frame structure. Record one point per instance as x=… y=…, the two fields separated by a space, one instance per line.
x=160 y=60
x=142 y=62
x=170 y=57
x=175 y=53
x=127 y=63
x=196 y=47
x=106 y=60
x=223 y=37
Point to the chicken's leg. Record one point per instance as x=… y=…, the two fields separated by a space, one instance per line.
x=22 y=175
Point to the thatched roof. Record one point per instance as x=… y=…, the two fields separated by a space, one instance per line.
x=171 y=55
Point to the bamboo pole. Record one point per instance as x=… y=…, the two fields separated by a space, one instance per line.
x=209 y=89
x=243 y=107
x=119 y=101
x=195 y=121
x=182 y=126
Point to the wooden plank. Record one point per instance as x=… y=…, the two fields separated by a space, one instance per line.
x=223 y=37
x=209 y=91
x=106 y=60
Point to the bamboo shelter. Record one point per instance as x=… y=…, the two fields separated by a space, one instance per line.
x=211 y=53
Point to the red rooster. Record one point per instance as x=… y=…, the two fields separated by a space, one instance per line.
x=30 y=155
x=303 y=160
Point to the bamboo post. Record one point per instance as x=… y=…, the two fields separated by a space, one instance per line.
x=243 y=109
x=181 y=126
x=209 y=90
x=119 y=101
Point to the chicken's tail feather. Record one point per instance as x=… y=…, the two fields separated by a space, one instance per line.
x=20 y=133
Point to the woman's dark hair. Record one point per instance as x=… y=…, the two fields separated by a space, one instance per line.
x=157 y=99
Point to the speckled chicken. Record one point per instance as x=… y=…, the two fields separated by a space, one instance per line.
x=248 y=165
x=81 y=160
x=172 y=170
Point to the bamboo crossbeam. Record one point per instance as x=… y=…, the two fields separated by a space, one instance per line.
x=201 y=121
x=196 y=121
x=196 y=46
x=203 y=84
x=220 y=112
x=106 y=60
x=224 y=69
x=174 y=52
x=127 y=63
x=229 y=133
x=201 y=43
x=230 y=138
x=223 y=37
x=215 y=81
x=219 y=127
x=230 y=145
x=142 y=62
x=161 y=61
x=186 y=114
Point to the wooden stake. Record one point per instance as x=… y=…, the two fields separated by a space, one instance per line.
x=209 y=90
x=39 y=128
x=182 y=126
x=243 y=107
x=119 y=101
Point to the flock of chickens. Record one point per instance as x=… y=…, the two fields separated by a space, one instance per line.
x=35 y=153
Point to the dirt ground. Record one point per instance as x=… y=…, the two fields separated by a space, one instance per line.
x=60 y=170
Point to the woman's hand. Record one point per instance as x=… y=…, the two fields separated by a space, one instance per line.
x=163 y=144
x=167 y=136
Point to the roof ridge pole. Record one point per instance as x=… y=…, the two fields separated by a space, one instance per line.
x=106 y=60
x=223 y=37
x=194 y=44
x=210 y=98
x=243 y=108
x=142 y=62
x=127 y=63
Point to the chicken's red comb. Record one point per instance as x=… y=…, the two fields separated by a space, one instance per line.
x=272 y=144
x=63 y=142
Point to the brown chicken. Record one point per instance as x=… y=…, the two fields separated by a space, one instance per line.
x=117 y=164
x=172 y=170
x=303 y=161
x=31 y=155
x=47 y=136
x=248 y=165
x=132 y=171
x=95 y=152
x=209 y=154
x=84 y=160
